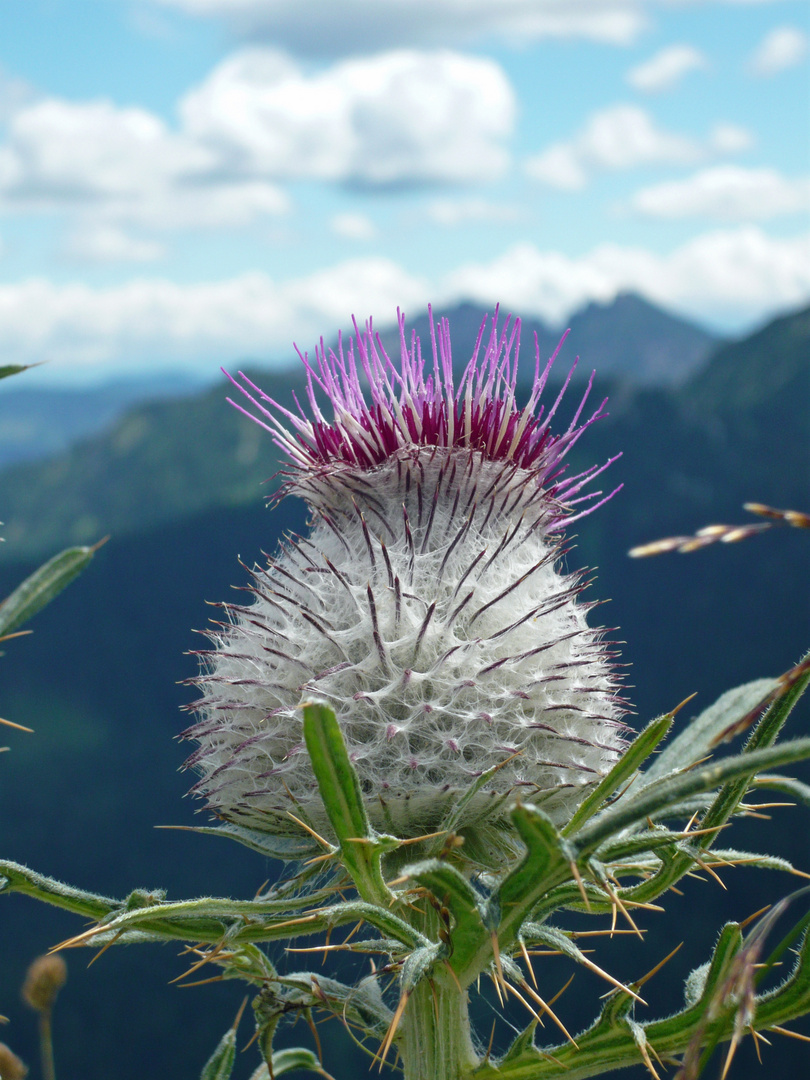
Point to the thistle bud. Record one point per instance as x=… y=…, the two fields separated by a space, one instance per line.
x=44 y=979
x=11 y=1067
x=427 y=605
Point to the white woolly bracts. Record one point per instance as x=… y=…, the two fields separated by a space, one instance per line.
x=426 y=606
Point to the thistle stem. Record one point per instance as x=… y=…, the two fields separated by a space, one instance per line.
x=435 y=1040
x=46 y=1046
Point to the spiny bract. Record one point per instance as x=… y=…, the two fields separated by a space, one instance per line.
x=426 y=606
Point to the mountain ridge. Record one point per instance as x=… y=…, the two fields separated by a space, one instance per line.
x=626 y=338
x=166 y=460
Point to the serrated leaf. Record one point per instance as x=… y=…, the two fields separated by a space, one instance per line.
x=283 y=848
x=42 y=586
x=360 y=846
x=630 y=761
x=295 y=1058
x=288 y=1060
x=697 y=739
x=673 y=789
x=454 y=892
x=220 y=1065
x=14 y=369
x=787 y=785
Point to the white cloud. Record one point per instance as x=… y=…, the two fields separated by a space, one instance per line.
x=666 y=68
x=782 y=48
x=729 y=139
x=397 y=117
x=107 y=243
x=401 y=117
x=125 y=165
x=152 y=321
x=618 y=137
x=727 y=192
x=14 y=93
x=349 y=27
x=61 y=151
x=353 y=226
x=740 y=275
x=452 y=212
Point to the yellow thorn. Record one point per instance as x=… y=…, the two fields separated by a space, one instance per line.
x=497 y=986
x=750 y=919
x=677 y=709
x=17 y=727
x=317 y=836
x=790 y=1034
x=560 y=993
x=101 y=951
x=580 y=886
x=392 y=1030
x=528 y=960
x=732 y=1050
x=646 y=978
x=201 y=982
x=648 y=1064
x=552 y=1015
x=489 y=1044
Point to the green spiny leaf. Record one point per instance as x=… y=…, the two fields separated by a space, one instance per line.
x=360 y=847
x=42 y=586
x=521 y=1044
x=295 y=1058
x=698 y=738
x=419 y=964
x=787 y=785
x=546 y=864
x=17 y=878
x=220 y=1065
x=792 y=685
x=672 y=789
x=14 y=369
x=638 y=752
x=454 y=892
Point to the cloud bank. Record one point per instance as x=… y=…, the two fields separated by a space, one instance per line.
x=349 y=27
x=740 y=274
x=625 y=137
x=257 y=122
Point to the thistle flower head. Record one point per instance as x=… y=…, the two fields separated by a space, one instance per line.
x=427 y=604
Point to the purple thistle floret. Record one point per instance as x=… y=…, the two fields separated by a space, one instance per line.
x=409 y=408
x=426 y=605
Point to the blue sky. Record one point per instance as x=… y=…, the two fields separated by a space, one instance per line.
x=187 y=182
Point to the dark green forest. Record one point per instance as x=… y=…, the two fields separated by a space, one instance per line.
x=179 y=487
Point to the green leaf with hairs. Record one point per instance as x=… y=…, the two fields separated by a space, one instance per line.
x=360 y=846
x=297 y=1057
x=14 y=369
x=220 y=1065
x=546 y=864
x=670 y=790
x=42 y=586
x=627 y=765
x=698 y=738
x=455 y=893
